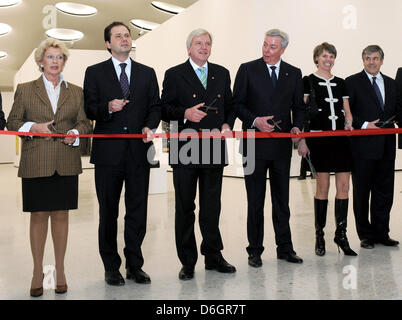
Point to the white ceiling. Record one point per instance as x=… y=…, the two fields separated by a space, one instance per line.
x=26 y=20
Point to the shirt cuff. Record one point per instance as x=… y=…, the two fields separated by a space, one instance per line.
x=365 y=124
x=77 y=139
x=26 y=126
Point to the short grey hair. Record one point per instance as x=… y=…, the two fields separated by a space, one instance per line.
x=279 y=33
x=372 y=49
x=196 y=33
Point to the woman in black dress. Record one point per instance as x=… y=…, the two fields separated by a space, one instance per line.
x=329 y=154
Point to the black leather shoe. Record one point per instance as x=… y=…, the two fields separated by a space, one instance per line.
x=220 y=265
x=388 y=242
x=254 y=260
x=138 y=275
x=290 y=257
x=367 y=244
x=114 y=278
x=186 y=273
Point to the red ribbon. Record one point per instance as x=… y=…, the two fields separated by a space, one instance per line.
x=217 y=134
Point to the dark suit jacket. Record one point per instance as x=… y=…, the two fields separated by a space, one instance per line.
x=42 y=157
x=182 y=89
x=398 y=80
x=2 y=119
x=255 y=96
x=365 y=106
x=101 y=85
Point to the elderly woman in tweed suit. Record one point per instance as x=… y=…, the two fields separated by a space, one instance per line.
x=49 y=167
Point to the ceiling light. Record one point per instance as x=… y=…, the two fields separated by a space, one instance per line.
x=4 y=28
x=8 y=3
x=3 y=54
x=167 y=7
x=64 y=34
x=76 y=9
x=144 y=24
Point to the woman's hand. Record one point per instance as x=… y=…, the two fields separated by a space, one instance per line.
x=69 y=140
x=302 y=148
x=348 y=124
x=41 y=127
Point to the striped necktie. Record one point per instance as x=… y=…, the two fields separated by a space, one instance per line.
x=203 y=76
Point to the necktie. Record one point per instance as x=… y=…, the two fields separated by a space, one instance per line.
x=203 y=77
x=125 y=87
x=273 y=76
x=378 y=93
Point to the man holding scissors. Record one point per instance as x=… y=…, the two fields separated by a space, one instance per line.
x=374 y=103
x=197 y=96
x=268 y=94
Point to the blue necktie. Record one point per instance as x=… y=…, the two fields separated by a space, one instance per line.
x=125 y=87
x=378 y=93
x=273 y=76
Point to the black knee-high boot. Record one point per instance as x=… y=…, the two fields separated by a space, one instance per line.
x=320 y=215
x=341 y=213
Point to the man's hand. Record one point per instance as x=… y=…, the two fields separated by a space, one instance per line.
x=302 y=149
x=117 y=105
x=149 y=133
x=371 y=125
x=193 y=114
x=261 y=124
x=295 y=130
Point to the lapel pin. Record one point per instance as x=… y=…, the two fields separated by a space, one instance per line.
x=194 y=95
x=213 y=78
x=219 y=95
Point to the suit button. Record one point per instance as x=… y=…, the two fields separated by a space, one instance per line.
x=125 y=128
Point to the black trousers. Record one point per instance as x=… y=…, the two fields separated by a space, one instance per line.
x=109 y=182
x=256 y=188
x=373 y=178
x=210 y=187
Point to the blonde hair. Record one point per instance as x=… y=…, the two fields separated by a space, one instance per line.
x=46 y=44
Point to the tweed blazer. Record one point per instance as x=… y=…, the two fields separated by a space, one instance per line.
x=42 y=157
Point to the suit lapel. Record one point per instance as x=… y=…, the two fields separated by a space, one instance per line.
x=133 y=77
x=111 y=76
x=42 y=93
x=369 y=87
x=64 y=94
x=191 y=77
x=386 y=89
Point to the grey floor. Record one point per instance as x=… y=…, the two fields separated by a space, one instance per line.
x=374 y=274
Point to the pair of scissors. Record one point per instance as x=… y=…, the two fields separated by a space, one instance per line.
x=388 y=121
x=209 y=107
x=275 y=123
x=310 y=164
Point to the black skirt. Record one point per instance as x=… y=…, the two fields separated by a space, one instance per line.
x=330 y=154
x=50 y=193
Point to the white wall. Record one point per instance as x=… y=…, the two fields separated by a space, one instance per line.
x=238 y=29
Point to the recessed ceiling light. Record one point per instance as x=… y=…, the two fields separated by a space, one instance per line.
x=64 y=34
x=3 y=54
x=4 y=28
x=167 y=7
x=144 y=24
x=76 y=9
x=8 y=3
